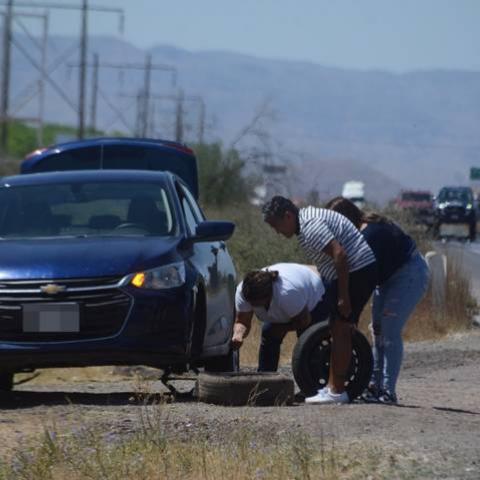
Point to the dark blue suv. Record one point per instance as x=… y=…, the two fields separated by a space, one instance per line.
x=112 y=267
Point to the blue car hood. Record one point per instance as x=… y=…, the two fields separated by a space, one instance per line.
x=83 y=257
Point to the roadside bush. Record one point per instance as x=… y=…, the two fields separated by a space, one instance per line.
x=254 y=244
x=222 y=179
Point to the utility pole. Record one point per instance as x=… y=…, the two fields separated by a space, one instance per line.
x=83 y=71
x=7 y=38
x=138 y=120
x=180 y=99
x=93 y=106
x=201 y=119
x=179 y=116
x=40 y=83
x=84 y=8
x=144 y=97
x=41 y=101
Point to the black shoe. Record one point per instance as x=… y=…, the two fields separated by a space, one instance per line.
x=370 y=394
x=299 y=397
x=388 y=398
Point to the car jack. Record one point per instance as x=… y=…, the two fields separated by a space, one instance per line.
x=167 y=377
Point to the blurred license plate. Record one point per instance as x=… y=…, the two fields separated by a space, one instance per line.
x=454 y=217
x=54 y=317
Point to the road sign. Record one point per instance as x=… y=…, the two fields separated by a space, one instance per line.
x=475 y=173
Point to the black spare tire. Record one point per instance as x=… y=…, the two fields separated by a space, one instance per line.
x=311 y=361
x=245 y=388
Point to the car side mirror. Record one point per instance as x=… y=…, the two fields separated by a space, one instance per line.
x=213 y=231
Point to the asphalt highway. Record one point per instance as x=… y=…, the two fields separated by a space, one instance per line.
x=468 y=254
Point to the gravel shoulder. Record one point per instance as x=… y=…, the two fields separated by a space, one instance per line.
x=437 y=423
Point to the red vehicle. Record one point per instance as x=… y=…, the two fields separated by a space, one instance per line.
x=419 y=203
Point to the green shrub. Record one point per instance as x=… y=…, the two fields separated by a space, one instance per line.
x=254 y=244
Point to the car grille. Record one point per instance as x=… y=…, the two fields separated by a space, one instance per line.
x=103 y=308
x=455 y=211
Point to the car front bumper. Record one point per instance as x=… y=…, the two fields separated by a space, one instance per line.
x=131 y=326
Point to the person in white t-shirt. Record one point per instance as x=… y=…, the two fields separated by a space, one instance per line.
x=285 y=297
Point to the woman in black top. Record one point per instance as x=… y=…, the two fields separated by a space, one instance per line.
x=402 y=281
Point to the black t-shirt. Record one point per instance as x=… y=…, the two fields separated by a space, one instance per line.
x=391 y=245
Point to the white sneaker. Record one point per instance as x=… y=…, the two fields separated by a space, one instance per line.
x=325 y=396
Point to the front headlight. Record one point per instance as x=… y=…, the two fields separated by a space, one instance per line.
x=168 y=276
x=469 y=206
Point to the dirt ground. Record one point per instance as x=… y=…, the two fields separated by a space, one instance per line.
x=436 y=425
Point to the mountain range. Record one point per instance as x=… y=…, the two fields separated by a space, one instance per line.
x=327 y=125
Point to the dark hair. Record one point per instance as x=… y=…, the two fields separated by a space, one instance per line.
x=258 y=284
x=353 y=213
x=347 y=209
x=277 y=206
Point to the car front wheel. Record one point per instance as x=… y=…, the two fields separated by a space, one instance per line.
x=6 y=382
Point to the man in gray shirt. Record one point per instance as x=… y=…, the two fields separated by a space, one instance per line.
x=346 y=264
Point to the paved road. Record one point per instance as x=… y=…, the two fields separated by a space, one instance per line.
x=468 y=254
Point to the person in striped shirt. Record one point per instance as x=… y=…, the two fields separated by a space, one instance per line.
x=345 y=262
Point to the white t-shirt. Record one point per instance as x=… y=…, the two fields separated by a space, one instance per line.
x=296 y=287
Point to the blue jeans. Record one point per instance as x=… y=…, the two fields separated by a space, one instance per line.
x=269 y=353
x=393 y=303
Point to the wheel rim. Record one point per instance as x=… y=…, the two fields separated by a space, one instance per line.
x=319 y=364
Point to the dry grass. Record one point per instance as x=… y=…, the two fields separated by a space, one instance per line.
x=72 y=375
x=150 y=453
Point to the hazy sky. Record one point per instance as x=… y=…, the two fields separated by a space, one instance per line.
x=396 y=35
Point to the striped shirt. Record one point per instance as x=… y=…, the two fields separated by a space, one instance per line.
x=318 y=227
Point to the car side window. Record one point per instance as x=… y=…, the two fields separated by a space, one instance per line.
x=189 y=216
x=191 y=200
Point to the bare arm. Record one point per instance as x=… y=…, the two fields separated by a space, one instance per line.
x=336 y=251
x=241 y=328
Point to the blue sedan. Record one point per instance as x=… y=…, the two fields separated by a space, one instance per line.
x=111 y=267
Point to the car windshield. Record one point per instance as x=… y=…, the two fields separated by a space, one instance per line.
x=85 y=209
x=416 y=197
x=447 y=195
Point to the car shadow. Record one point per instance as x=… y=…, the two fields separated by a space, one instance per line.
x=24 y=399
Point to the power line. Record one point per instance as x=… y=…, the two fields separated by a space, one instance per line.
x=145 y=95
x=84 y=8
x=180 y=98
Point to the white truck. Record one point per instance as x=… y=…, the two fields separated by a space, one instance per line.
x=354 y=190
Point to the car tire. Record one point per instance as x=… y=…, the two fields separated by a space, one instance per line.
x=223 y=363
x=6 y=382
x=311 y=361
x=244 y=388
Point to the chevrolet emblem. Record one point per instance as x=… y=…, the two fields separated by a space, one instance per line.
x=53 y=289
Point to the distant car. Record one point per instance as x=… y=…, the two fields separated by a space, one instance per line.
x=455 y=213
x=354 y=191
x=111 y=267
x=417 y=202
